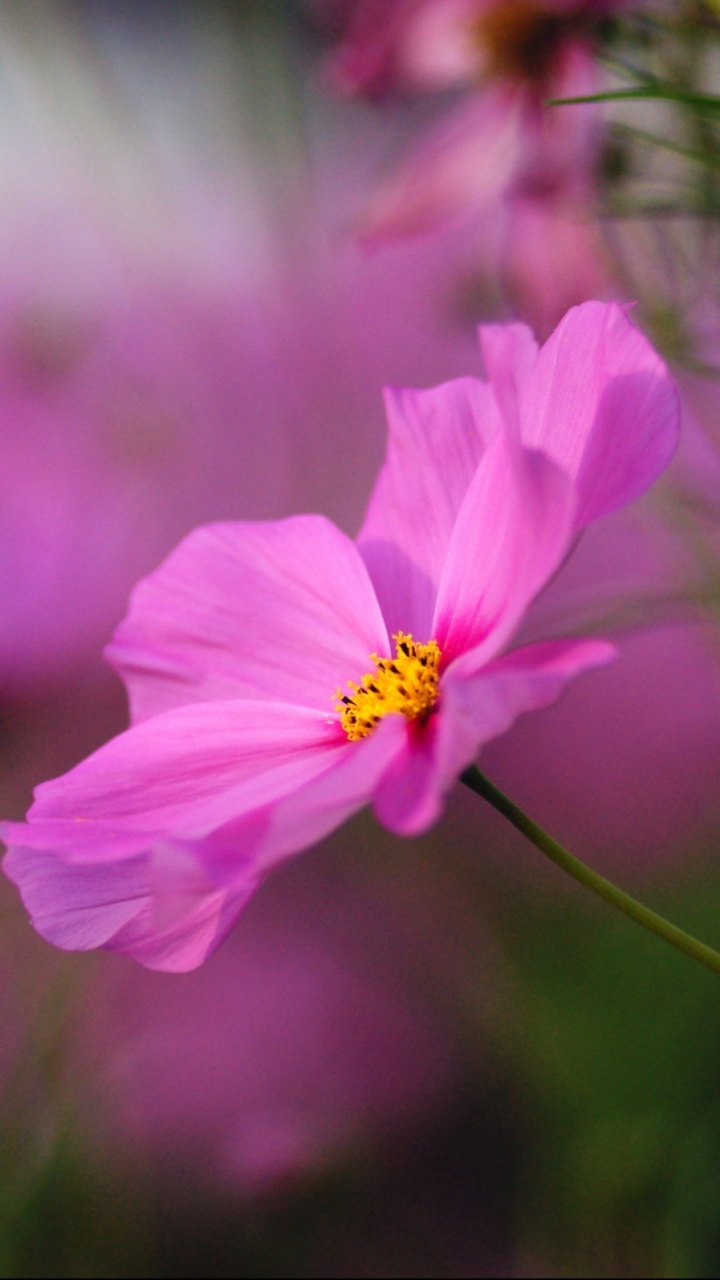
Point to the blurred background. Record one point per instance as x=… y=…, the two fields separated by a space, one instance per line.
x=223 y=227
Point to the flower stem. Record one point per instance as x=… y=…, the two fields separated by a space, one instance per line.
x=710 y=101
x=478 y=783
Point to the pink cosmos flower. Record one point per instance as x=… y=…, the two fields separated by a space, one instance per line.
x=244 y=748
x=510 y=56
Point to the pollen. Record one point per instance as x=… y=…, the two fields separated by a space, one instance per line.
x=406 y=684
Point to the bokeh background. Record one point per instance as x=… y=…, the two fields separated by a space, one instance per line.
x=223 y=227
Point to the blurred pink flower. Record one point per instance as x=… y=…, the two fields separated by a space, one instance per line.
x=552 y=254
x=441 y=44
x=498 y=140
x=232 y=650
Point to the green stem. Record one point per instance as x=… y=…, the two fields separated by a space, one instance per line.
x=478 y=783
x=708 y=101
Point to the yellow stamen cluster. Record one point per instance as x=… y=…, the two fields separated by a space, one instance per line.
x=407 y=683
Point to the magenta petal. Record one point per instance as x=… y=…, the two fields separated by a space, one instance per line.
x=78 y=841
x=297 y=821
x=409 y=796
x=510 y=352
x=511 y=534
x=462 y=164
x=182 y=923
x=436 y=440
x=601 y=404
x=126 y=907
x=280 y=611
x=491 y=699
x=170 y=906
x=187 y=771
x=405 y=799
x=76 y=908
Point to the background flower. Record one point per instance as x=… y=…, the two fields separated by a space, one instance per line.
x=497 y=150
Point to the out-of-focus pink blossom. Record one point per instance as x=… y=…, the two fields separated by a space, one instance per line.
x=442 y=44
x=232 y=650
x=552 y=255
x=498 y=146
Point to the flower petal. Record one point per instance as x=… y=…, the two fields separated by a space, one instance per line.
x=404 y=44
x=76 y=908
x=601 y=404
x=172 y=904
x=190 y=770
x=189 y=940
x=262 y=838
x=511 y=534
x=280 y=611
x=405 y=800
x=524 y=680
x=125 y=906
x=510 y=352
x=554 y=254
x=436 y=440
x=410 y=795
x=462 y=165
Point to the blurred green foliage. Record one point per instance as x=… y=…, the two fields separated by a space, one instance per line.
x=618 y=1040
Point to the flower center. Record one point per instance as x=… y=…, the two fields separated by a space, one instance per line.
x=521 y=37
x=407 y=683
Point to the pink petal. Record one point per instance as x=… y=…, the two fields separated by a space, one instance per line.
x=436 y=440
x=601 y=404
x=124 y=906
x=186 y=917
x=439 y=48
x=403 y=44
x=76 y=908
x=410 y=795
x=280 y=611
x=461 y=165
x=173 y=904
x=510 y=352
x=554 y=255
x=189 y=770
x=405 y=800
x=297 y=821
x=493 y=697
x=511 y=534
x=366 y=58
